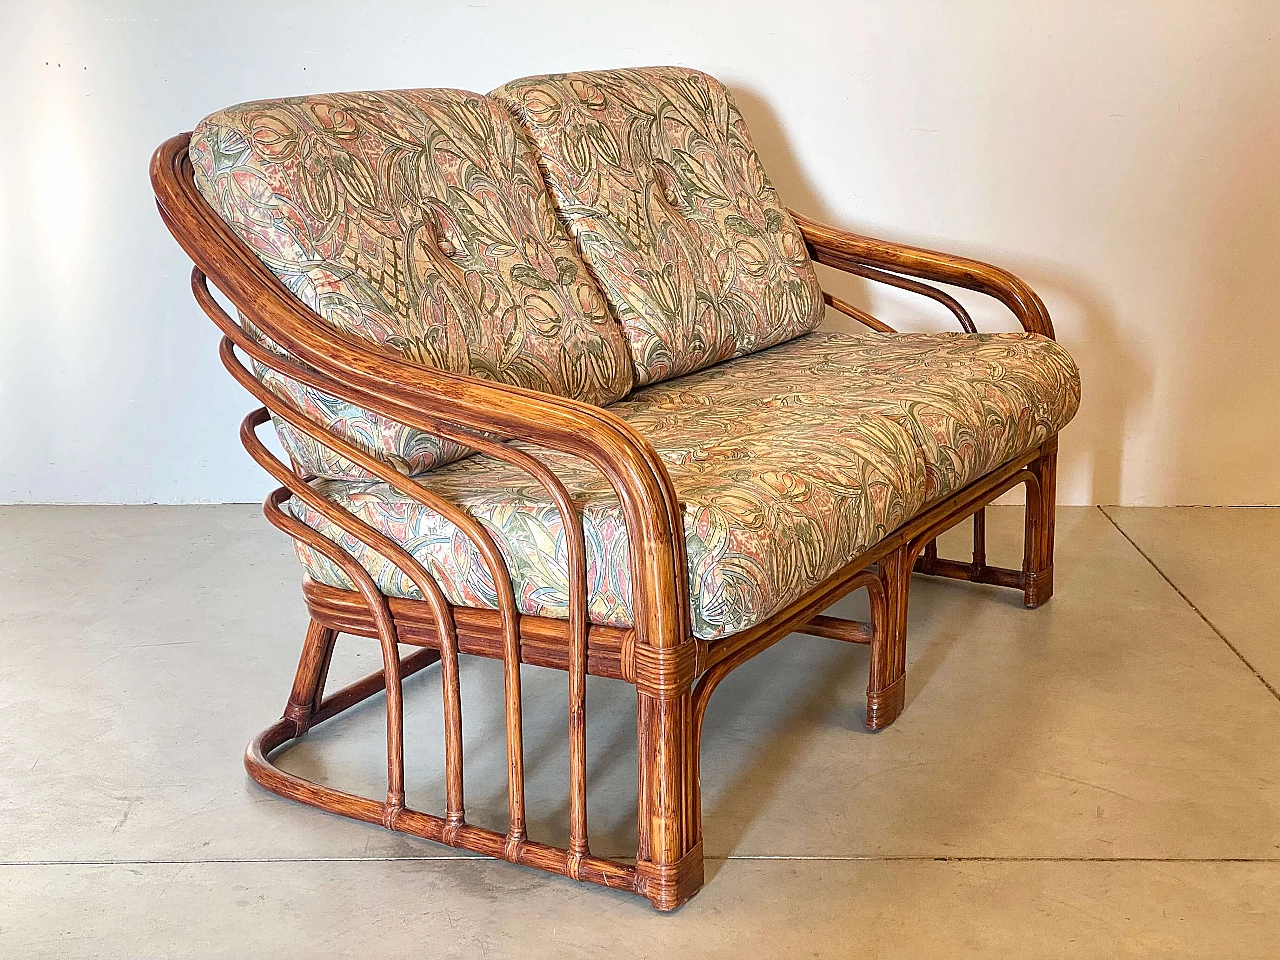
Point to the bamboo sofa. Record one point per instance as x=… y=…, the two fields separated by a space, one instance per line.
x=547 y=369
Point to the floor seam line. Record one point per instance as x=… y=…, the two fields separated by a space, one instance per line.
x=1187 y=600
x=223 y=861
x=943 y=858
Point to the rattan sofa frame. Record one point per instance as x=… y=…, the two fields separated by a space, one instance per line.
x=674 y=672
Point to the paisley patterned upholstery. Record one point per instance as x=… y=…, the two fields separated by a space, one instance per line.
x=416 y=219
x=655 y=173
x=420 y=220
x=789 y=463
x=971 y=402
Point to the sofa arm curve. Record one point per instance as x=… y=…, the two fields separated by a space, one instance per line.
x=429 y=399
x=841 y=249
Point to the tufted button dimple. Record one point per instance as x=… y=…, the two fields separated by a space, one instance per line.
x=438 y=227
x=667 y=189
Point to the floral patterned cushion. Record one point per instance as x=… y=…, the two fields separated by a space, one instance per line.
x=773 y=503
x=655 y=173
x=971 y=402
x=416 y=219
x=789 y=463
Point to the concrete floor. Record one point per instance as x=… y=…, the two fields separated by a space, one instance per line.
x=1096 y=778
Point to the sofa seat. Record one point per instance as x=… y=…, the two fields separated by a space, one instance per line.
x=788 y=463
x=971 y=402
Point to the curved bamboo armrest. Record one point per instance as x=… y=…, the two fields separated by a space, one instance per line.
x=434 y=400
x=854 y=253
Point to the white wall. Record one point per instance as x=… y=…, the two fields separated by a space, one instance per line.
x=1123 y=156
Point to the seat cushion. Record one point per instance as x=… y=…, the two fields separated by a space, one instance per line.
x=654 y=172
x=418 y=220
x=971 y=402
x=774 y=501
x=789 y=463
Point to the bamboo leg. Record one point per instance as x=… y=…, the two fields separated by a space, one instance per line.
x=886 y=691
x=308 y=682
x=979 y=543
x=931 y=552
x=323 y=679
x=669 y=864
x=1037 y=562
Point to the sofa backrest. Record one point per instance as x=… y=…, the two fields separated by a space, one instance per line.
x=416 y=219
x=654 y=172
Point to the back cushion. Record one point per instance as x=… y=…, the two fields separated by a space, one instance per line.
x=416 y=219
x=654 y=171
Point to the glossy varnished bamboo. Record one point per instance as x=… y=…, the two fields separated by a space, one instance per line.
x=674 y=672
